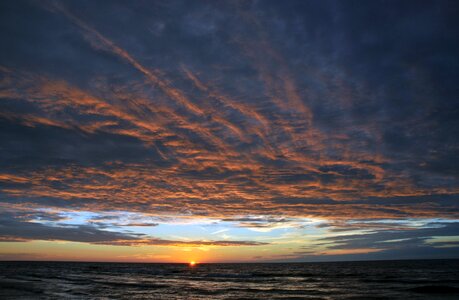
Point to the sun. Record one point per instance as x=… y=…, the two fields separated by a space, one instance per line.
x=192 y=263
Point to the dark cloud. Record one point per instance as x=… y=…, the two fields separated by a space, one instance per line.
x=381 y=240
x=14 y=229
x=392 y=237
x=81 y=233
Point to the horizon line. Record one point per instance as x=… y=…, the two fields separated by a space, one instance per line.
x=236 y=262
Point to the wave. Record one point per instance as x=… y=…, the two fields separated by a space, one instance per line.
x=142 y=285
x=435 y=289
x=351 y=281
x=19 y=285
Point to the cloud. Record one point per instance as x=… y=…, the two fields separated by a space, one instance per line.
x=265 y=223
x=265 y=131
x=392 y=237
x=14 y=229
x=222 y=110
x=385 y=240
x=198 y=243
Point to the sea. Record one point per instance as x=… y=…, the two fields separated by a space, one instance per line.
x=409 y=279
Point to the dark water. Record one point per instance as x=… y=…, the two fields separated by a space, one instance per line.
x=434 y=279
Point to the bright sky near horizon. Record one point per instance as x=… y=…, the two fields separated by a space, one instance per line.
x=229 y=131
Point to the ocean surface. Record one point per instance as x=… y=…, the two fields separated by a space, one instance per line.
x=429 y=279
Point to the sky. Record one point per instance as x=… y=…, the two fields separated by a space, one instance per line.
x=229 y=131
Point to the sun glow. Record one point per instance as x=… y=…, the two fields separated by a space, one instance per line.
x=192 y=263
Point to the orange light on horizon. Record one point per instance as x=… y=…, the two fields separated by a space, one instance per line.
x=192 y=263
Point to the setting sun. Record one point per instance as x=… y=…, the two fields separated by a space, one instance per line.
x=192 y=263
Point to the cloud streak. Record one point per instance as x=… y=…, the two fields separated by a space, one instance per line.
x=17 y=230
